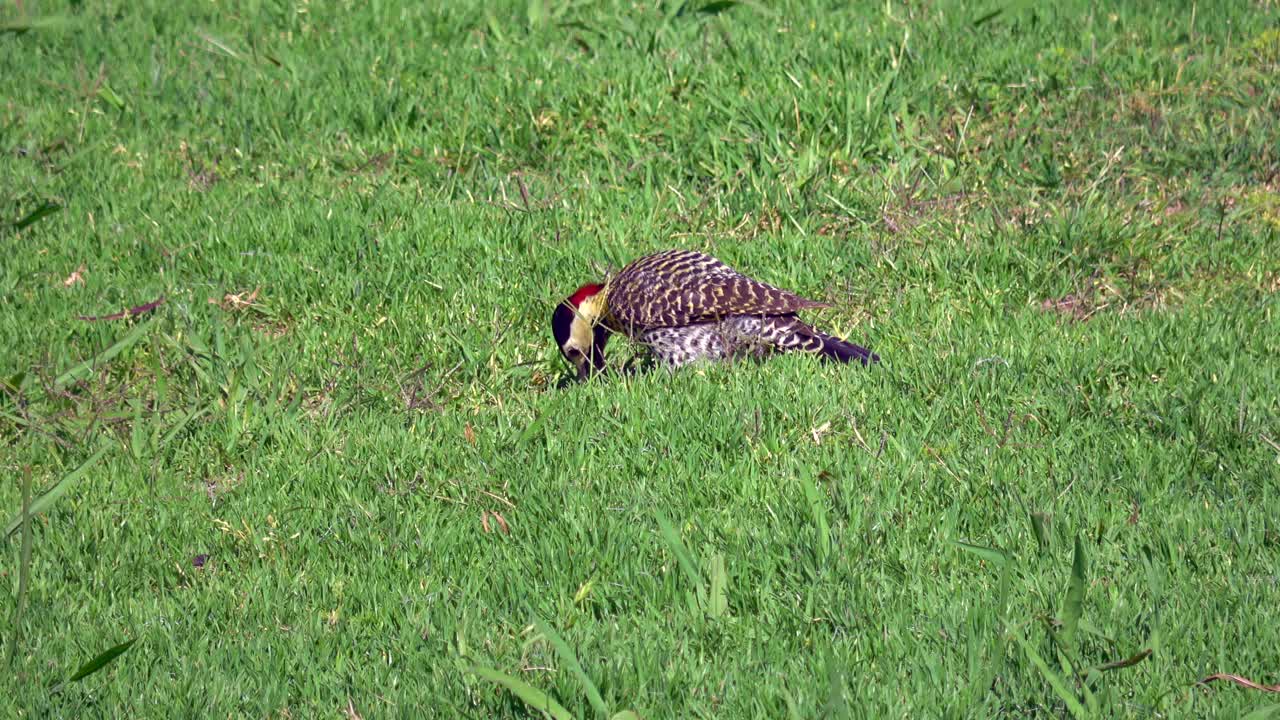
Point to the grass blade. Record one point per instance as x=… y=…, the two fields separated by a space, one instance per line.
x=18 y=27
x=24 y=566
x=529 y=431
x=494 y=28
x=984 y=19
x=173 y=432
x=1264 y=712
x=999 y=644
x=1073 y=605
x=837 y=704
x=678 y=549
x=59 y=489
x=87 y=367
x=1055 y=680
x=717 y=7
x=46 y=209
x=1042 y=534
x=14 y=384
x=1155 y=579
x=14 y=419
x=102 y=660
x=220 y=45
x=718 y=598
x=530 y=695
x=1155 y=584
x=819 y=511
x=536 y=12
x=992 y=555
x=1127 y=662
x=138 y=435
x=570 y=660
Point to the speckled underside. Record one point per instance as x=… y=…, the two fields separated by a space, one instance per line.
x=737 y=336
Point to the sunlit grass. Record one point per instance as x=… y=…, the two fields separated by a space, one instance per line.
x=274 y=296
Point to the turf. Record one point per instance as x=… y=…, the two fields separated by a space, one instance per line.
x=334 y=472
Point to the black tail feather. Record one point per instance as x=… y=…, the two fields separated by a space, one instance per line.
x=843 y=351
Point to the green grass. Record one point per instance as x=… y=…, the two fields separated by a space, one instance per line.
x=1058 y=226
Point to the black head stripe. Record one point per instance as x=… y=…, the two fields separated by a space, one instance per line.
x=561 y=322
x=599 y=336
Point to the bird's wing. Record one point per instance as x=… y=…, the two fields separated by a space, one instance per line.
x=681 y=287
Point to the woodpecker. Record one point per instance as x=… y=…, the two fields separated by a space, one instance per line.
x=687 y=306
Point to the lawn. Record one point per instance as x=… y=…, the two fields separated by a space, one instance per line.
x=275 y=288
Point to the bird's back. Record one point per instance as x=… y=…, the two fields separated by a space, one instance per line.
x=682 y=287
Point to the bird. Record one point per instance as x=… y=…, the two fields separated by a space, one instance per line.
x=686 y=306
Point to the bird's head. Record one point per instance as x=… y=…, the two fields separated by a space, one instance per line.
x=577 y=329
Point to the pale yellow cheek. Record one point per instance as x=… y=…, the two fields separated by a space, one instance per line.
x=580 y=335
